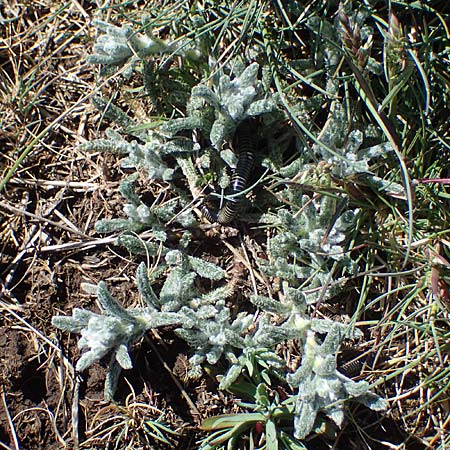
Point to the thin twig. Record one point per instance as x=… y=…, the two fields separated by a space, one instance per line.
x=174 y=378
x=42 y=219
x=10 y=421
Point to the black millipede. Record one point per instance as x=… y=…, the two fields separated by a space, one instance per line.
x=245 y=142
x=351 y=368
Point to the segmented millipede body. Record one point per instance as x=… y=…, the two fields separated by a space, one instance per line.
x=352 y=368
x=244 y=141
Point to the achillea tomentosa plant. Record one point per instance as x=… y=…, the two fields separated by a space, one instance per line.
x=118 y=46
x=114 y=330
x=234 y=99
x=307 y=249
x=205 y=322
x=310 y=243
x=321 y=387
x=216 y=113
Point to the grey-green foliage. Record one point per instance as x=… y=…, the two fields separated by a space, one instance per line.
x=138 y=246
x=253 y=360
x=199 y=116
x=310 y=242
x=231 y=97
x=113 y=331
x=207 y=325
x=346 y=157
x=307 y=250
x=342 y=149
x=141 y=216
x=127 y=124
x=151 y=155
x=116 y=46
x=217 y=106
x=260 y=345
x=211 y=333
x=206 y=320
x=116 y=328
x=344 y=153
x=148 y=156
x=321 y=387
